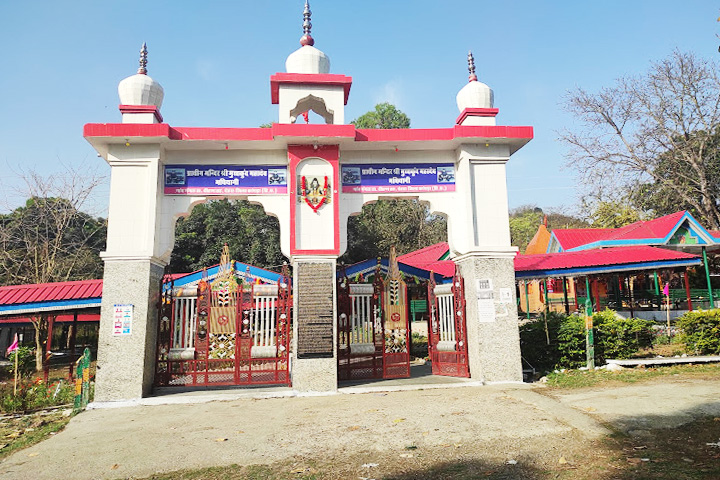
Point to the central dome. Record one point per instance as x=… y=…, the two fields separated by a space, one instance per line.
x=307 y=59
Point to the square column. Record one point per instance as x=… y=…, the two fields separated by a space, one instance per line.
x=126 y=359
x=491 y=313
x=314 y=359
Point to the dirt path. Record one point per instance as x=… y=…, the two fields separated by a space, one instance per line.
x=506 y=422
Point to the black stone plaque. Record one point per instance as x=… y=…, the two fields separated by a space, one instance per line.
x=314 y=291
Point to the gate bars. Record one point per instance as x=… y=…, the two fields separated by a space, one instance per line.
x=448 y=335
x=257 y=353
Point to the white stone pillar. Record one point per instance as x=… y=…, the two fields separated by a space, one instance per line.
x=480 y=240
x=133 y=272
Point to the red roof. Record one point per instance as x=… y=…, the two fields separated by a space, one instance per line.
x=715 y=233
x=657 y=228
x=575 y=237
x=597 y=257
x=428 y=258
x=46 y=292
x=424 y=255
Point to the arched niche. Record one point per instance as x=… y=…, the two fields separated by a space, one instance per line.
x=316 y=104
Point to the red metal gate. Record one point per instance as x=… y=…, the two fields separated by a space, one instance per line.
x=448 y=335
x=222 y=333
x=360 y=338
x=373 y=327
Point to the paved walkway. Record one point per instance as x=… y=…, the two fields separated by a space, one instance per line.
x=141 y=440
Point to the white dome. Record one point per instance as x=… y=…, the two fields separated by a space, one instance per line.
x=307 y=59
x=475 y=95
x=140 y=89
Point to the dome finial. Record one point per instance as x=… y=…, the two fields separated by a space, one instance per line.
x=143 y=60
x=471 y=67
x=307 y=39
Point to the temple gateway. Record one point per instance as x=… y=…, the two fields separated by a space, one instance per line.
x=306 y=328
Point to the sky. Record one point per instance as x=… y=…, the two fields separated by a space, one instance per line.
x=63 y=60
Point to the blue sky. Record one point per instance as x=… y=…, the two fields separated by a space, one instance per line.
x=63 y=60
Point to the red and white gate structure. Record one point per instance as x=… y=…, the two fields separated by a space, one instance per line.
x=447 y=335
x=224 y=332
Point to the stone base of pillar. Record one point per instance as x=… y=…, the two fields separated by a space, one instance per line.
x=314 y=366
x=493 y=341
x=126 y=363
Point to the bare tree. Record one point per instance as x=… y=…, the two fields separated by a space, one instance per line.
x=50 y=238
x=656 y=134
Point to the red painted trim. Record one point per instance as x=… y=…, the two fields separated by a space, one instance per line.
x=225 y=134
x=476 y=112
x=306 y=79
x=314 y=130
x=131 y=130
x=443 y=134
x=142 y=109
x=331 y=154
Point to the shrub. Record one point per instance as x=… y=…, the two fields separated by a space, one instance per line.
x=614 y=337
x=701 y=331
x=36 y=394
x=571 y=342
x=26 y=362
x=620 y=337
x=534 y=345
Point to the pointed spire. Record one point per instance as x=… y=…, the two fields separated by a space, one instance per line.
x=143 y=60
x=307 y=39
x=471 y=67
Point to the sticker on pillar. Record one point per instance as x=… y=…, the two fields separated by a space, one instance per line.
x=486 y=305
x=315 y=191
x=122 y=319
x=506 y=295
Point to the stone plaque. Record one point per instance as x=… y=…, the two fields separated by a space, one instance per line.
x=314 y=291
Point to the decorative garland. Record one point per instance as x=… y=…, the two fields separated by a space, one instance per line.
x=315 y=208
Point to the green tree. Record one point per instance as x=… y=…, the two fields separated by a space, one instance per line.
x=406 y=224
x=613 y=213
x=526 y=219
x=524 y=223
x=657 y=131
x=385 y=115
x=252 y=236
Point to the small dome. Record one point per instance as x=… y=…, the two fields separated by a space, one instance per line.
x=475 y=95
x=307 y=59
x=140 y=89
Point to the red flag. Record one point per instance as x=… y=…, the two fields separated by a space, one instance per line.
x=12 y=347
x=666 y=290
x=306 y=116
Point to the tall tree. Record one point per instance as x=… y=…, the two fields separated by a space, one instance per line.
x=385 y=115
x=657 y=131
x=252 y=236
x=406 y=224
